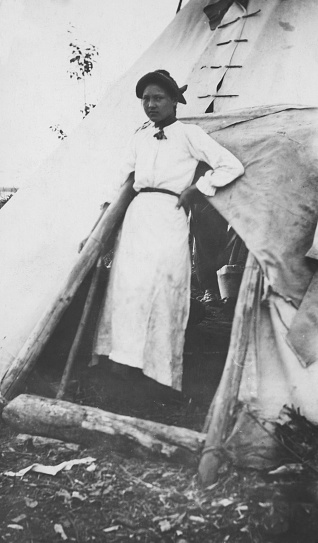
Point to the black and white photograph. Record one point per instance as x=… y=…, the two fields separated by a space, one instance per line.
x=159 y=271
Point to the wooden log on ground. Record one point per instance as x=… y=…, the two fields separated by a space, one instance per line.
x=224 y=402
x=96 y=244
x=69 y=422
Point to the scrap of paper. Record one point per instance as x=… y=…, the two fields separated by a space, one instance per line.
x=51 y=470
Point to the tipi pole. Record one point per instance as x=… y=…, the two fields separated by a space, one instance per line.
x=80 y=331
x=225 y=399
x=179 y=6
x=99 y=241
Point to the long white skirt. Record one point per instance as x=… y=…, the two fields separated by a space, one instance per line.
x=146 y=308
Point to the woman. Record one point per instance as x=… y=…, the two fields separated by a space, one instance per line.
x=146 y=309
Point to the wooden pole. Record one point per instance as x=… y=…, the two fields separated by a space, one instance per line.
x=97 y=243
x=221 y=411
x=179 y=6
x=80 y=331
x=90 y=425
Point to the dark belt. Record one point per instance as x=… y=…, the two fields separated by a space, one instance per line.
x=165 y=191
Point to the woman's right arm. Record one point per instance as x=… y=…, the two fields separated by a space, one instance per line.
x=103 y=207
x=127 y=177
x=127 y=185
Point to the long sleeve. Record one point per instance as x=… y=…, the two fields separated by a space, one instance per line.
x=225 y=166
x=129 y=160
x=127 y=166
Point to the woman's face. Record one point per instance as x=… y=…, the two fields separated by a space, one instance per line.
x=157 y=103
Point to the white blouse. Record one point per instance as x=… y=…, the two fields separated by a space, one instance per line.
x=171 y=163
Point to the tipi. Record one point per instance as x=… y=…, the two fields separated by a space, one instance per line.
x=252 y=79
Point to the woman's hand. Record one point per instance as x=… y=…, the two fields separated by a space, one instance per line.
x=189 y=196
x=81 y=245
x=103 y=208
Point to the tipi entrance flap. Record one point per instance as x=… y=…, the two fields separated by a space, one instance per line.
x=274 y=206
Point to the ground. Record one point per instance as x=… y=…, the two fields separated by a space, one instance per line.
x=121 y=498
x=128 y=499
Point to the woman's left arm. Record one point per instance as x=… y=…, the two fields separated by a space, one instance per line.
x=225 y=167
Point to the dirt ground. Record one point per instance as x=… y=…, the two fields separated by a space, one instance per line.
x=121 y=498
